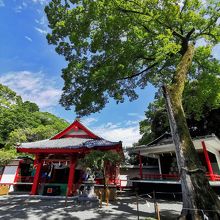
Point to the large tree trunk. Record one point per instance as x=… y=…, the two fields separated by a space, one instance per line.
x=198 y=197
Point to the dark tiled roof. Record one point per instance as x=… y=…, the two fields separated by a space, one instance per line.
x=165 y=138
x=67 y=143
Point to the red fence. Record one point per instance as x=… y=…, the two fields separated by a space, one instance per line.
x=213 y=177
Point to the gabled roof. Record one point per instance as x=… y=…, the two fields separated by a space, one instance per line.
x=74 y=138
x=76 y=130
x=159 y=147
x=68 y=143
x=165 y=138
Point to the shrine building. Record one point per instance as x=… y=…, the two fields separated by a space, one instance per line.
x=57 y=160
x=160 y=154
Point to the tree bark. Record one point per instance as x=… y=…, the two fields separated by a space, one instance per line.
x=197 y=195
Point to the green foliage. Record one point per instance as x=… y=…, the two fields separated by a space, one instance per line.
x=112 y=47
x=202 y=93
x=31 y=134
x=156 y=122
x=201 y=101
x=8 y=97
x=23 y=122
x=30 y=106
x=7 y=155
x=97 y=159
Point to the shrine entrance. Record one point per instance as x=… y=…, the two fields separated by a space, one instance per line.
x=56 y=169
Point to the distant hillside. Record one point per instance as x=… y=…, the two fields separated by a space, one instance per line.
x=22 y=121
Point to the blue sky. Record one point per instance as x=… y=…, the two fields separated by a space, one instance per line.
x=31 y=67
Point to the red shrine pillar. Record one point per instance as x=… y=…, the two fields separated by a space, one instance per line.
x=209 y=165
x=71 y=177
x=38 y=165
x=140 y=165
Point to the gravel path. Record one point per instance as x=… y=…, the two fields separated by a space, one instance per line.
x=30 y=207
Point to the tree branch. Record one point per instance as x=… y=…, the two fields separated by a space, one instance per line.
x=137 y=74
x=184 y=5
x=209 y=25
x=211 y=35
x=158 y=21
x=190 y=33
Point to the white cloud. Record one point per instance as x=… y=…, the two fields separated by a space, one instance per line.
x=2 y=4
x=28 y=38
x=136 y=115
x=33 y=87
x=126 y=131
x=128 y=135
x=21 y=7
x=40 y=30
x=88 y=121
x=42 y=2
x=41 y=21
x=132 y=114
x=29 y=4
x=130 y=122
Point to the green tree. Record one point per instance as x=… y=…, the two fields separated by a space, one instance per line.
x=202 y=107
x=31 y=134
x=112 y=47
x=98 y=160
x=23 y=122
x=7 y=155
x=30 y=106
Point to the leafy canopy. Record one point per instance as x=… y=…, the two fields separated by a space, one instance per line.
x=96 y=160
x=201 y=101
x=112 y=47
x=23 y=122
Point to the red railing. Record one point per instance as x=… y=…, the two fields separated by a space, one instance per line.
x=213 y=177
x=176 y=177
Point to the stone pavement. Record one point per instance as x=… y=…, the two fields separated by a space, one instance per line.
x=31 y=207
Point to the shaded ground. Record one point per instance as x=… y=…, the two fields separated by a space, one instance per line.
x=29 y=207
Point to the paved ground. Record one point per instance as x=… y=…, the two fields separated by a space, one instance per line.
x=29 y=207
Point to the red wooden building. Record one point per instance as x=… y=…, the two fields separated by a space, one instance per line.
x=56 y=159
x=161 y=152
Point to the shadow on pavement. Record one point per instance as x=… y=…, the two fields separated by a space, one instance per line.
x=18 y=207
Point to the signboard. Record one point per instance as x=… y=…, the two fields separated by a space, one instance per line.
x=9 y=174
